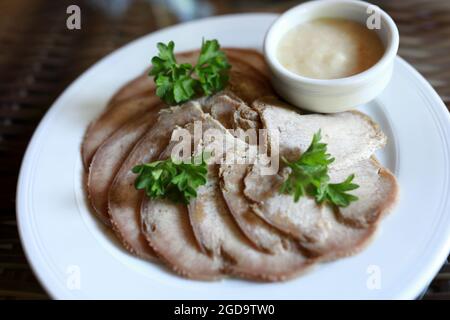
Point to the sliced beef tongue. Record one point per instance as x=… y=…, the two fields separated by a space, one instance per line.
x=222 y=106
x=248 y=86
x=252 y=57
x=338 y=239
x=323 y=231
x=124 y=199
x=234 y=114
x=239 y=224
x=167 y=229
x=109 y=157
x=138 y=96
x=263 y=235
x=217 y=244
x=112 y=119
x=145 y=84
x=203 y=217
x=246 y=60
x=133 y=99
x=141 y=85
x=216 y=140
x=351 y=136
x=377 y=192
x=315 y=228
x=219 y=233
x=246 y=118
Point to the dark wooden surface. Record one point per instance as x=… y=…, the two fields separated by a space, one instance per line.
x=39 y=57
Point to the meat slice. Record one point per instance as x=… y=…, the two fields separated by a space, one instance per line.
x=144 y=84
x=220 y=236
x=110 y=156
x=263 y=235
x=141 y=85
x=245 y=82
x=250 y=56
x=167 y=228
x=338 y=239
x=213 y=134
x=133 y=99
x=248 y=86
x=378 y=192
x=219 y=233
x=138 y=96
x=231 y=111
x=124 y=199
x=247 y=60
x=320 y=229
x=112 y=119
x=351 y=136
x=222 y=107
x=246 y=118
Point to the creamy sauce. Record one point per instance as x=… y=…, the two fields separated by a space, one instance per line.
x=329 y=48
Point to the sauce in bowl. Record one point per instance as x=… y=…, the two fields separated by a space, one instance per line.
x=329 y=48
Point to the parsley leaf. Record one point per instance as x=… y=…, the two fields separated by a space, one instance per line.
x=176 y=83
x=173 y=81
x=177 y=181
x=212 y=67
x=336 y=192
x=309 y=176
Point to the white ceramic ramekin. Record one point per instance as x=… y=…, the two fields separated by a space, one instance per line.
x=334 y=95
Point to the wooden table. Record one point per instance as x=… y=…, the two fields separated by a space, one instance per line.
x=39 y=57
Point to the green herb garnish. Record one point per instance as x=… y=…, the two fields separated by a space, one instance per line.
x=309 y=176
x=176 y=83
x=175 y=180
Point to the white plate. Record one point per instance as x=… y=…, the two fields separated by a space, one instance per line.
x=75 y=257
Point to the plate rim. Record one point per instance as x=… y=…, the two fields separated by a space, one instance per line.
x=22 y=196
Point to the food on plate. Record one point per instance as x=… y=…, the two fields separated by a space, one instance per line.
x=248 y=80
x=124 y=199
x=179 y=82
x=329 y=48
x=216 y=233
x=109 y=157
x=114 y=117
x=166 y=226
x=179 y=167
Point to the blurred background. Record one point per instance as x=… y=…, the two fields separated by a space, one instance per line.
x=39 y=57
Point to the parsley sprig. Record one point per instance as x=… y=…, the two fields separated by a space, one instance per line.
x=176 y=83
x=175 y=180
x=309 y=176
